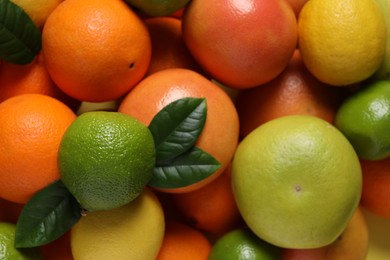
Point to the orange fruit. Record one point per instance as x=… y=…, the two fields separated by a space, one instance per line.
x=294 y=91
x=168 y=48
x=58 y=249
x=240 y=44
x=95 y=50
x=183 y=242
x=211 y=208
x=30 y=78
x=32 y=128
x=220 y=133
x=376 y=181
x=9 y=211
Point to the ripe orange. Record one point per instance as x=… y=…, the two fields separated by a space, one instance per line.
x=95 y=50
x=376 y=181
x=31 y=78
x=220 y=133
x=168 y=48
x=183 y=242
x=240 y=44
x=294 y=91
x=31 y=131
x=211 y=208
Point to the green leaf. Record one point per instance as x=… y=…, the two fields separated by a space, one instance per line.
x=49 y=214
x=184 y=170
x=20 y=39
x=177 y=126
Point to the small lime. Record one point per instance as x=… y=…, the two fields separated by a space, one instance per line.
x=106 y=159
x=243 y=244
x=158 y=7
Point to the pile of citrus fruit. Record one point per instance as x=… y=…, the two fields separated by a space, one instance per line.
x=193 y=129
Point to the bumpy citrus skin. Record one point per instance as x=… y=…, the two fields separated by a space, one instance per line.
x=106 y=159
x=364 y=118
x=297 y=181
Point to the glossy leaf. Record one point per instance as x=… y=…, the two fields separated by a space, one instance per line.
x=184 y=170
x=20 y=39
x=49 y=214
x=177 y=126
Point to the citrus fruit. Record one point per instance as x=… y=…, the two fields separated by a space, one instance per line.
x=243 y=244
x=38 y=10
x=211 y=208
x=95 y=50
x=7 y=249
x=240 y=44
x=106 y=159
x=326 y=29
x=364 y=118
x=294 y=91
x=168 y=48
x=183 y=242
x=297 y=181
x=30 y=135
x=384 y=70
x=158 y=7
x=219 y=136
x=133 y=231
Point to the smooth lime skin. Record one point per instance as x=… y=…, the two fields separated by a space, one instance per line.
x=7 y=249
x=364 y=118
x=297 y=181
x=106 y=159
x=244 y=245
x=158 y=7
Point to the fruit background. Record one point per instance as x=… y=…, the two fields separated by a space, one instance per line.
x=194 y=129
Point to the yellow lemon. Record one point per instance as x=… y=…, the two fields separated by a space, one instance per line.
x=342 y=42
x=133 y=231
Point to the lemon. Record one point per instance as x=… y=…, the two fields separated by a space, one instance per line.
x=133 y=231
x=384 y=70
x=7 y=249
x=364 y=118
x=38 y=10
x=106 y=159
x=243 y=244
x=342 y=42
x=297 y=181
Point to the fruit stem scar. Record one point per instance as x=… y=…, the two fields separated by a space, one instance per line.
x=132 y=65
x=297 y=188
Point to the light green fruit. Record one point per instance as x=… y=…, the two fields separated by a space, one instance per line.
x=133 y=231
x=364 y=118
x=384 y=70
x=297 y=181
x=106 y=159
x=158 y=7
x=7 y=249
x=244 y=245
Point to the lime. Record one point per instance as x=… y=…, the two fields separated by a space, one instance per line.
x=243 y=244
x=297 y=181
x=133 y=231
x=7 y=249
x=364 y=118
x=106 y=159
x=158 y=7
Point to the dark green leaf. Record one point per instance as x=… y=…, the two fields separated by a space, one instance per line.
x=177 y=126
x=49 y=214
x=184 y=170
x=20 y=39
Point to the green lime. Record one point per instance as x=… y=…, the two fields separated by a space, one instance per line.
x=106 y=159
x=7 y=249
x=297 y=181
x=158 y=7
x=243 y=244
x=364 y=118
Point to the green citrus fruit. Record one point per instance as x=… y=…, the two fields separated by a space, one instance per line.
x=133 y=231
x=7 y=249
x=106 y=159
x=158 y=7
x=244 y=245
x=364 y=118
x=342 y=42
x=297 y=181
